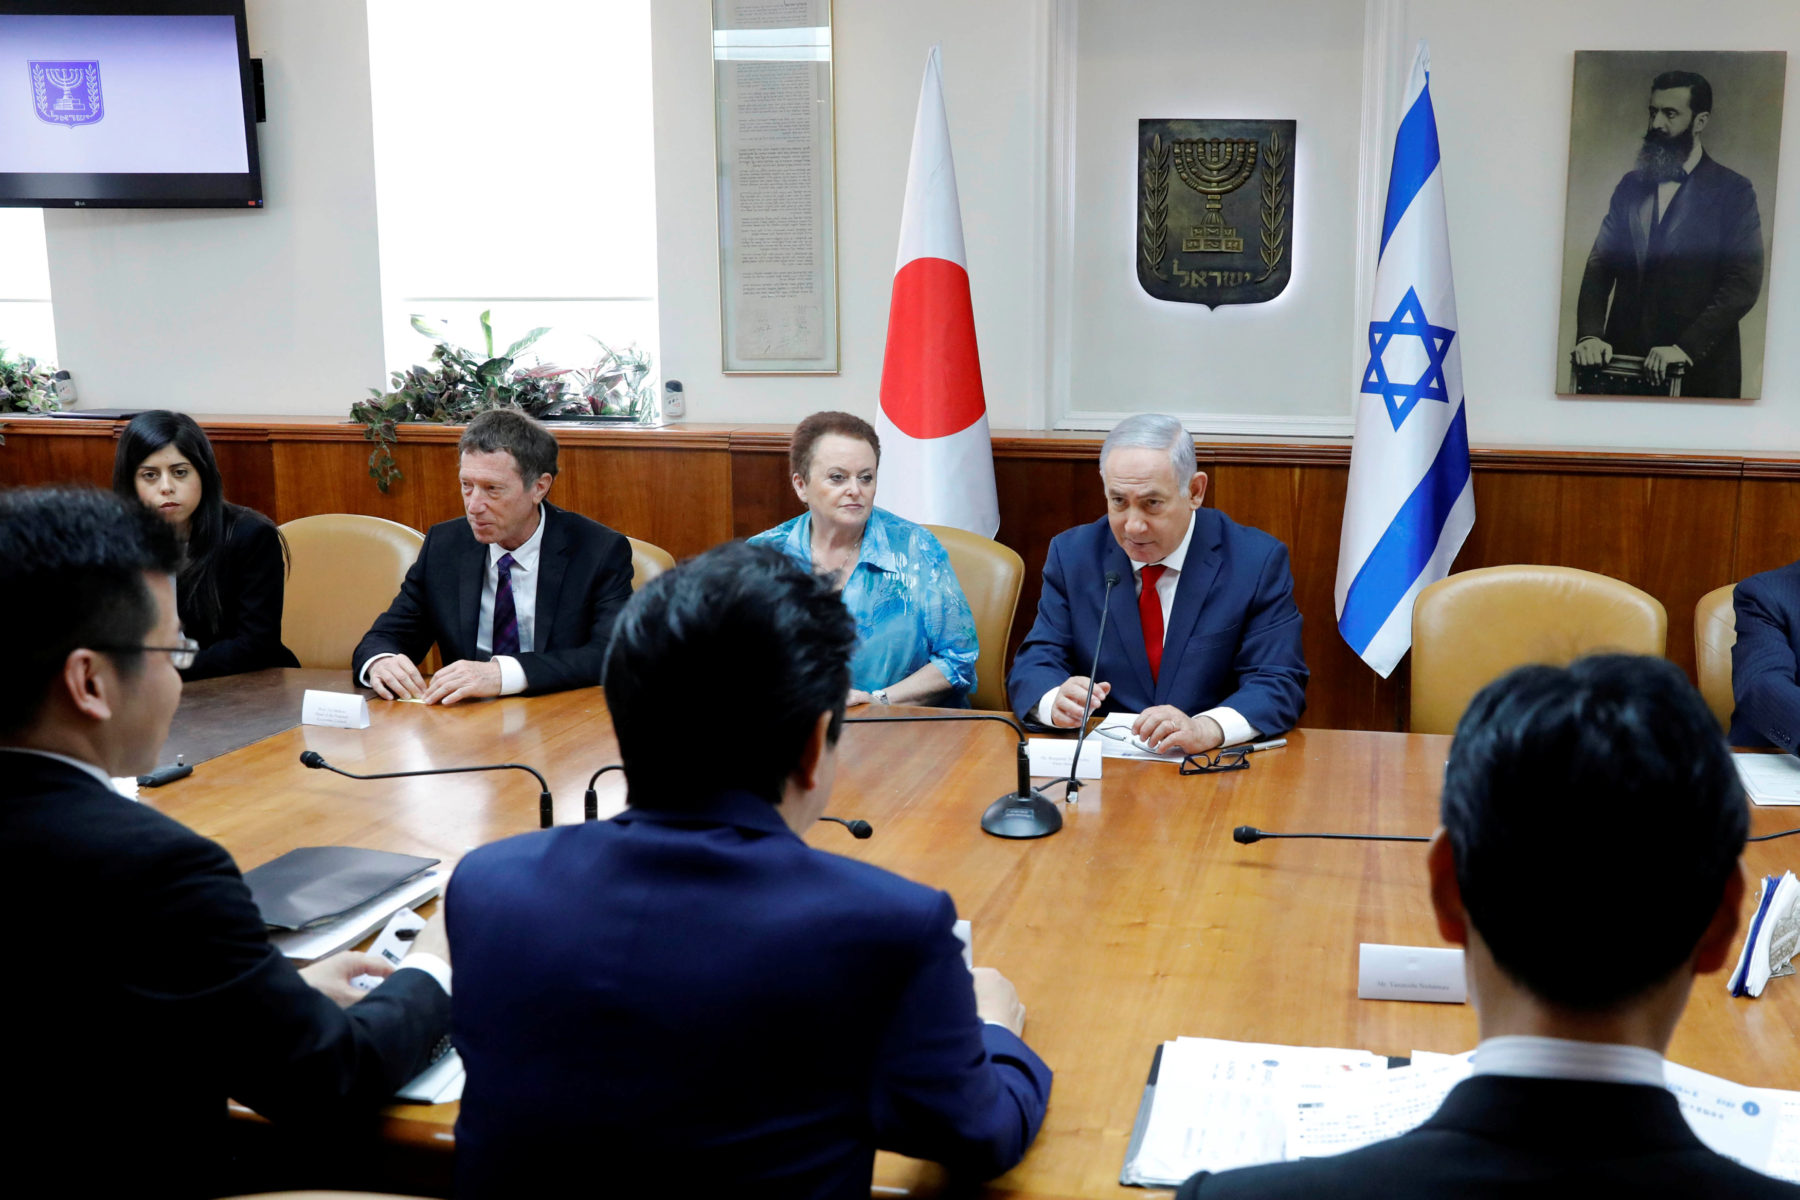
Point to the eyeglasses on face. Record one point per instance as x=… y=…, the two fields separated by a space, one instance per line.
x=182 y=656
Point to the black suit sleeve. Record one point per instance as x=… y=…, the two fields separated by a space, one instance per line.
x=1739 y=278
x=601 y=595
x=289 y=1051
x=405 y=628
x=1611 y=250
x=252 y=579
x=1764 y=679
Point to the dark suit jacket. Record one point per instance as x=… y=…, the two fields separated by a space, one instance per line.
x=585 y=580
x=1765 y=662
x=1537 y=1139
x=1233 y=637
x=173 y=1002
x=705 y=1002
x=252 y=579
x=1686 y=281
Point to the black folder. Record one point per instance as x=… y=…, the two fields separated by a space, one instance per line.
x=313 y=884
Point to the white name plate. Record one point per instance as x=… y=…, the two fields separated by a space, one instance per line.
x=339 y=710
x=1052 y=756
x=1411 y=973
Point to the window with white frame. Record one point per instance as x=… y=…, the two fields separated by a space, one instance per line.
x=514 y=172
x=26 y=327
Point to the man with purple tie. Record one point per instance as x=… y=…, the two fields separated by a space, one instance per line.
x=520 y=597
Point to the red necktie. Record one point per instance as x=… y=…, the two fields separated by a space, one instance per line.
x=1150 y=613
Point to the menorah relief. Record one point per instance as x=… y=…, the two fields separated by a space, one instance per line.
x=1214 y=167
x=1233 y=170
x=78 y=81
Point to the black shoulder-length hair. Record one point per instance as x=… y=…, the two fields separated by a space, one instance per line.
x=197 y=587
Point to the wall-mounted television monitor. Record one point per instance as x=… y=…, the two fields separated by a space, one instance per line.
x=122 y=104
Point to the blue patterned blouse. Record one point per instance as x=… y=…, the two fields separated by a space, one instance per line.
x=909 y=608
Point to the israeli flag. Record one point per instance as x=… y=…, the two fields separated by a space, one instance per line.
x=1410 y=502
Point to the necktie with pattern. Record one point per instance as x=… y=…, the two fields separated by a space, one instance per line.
x=506 y=618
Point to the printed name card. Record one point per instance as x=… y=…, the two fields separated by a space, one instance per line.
x=1411 y=973
x=1052 y=757
x=339 y=710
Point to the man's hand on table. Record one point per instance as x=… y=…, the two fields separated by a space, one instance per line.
x=463 y=680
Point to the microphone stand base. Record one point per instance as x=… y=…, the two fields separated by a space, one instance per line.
x=1016 y=816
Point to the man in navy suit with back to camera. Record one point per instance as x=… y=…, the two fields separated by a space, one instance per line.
x=518 y=598
x=1203 y=638
x=1765 y=660
x=1583 y=933
x=688 y=996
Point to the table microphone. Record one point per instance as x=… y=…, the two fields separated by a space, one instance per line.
x=546 y=811
x=1243 y=835
x=1072 y=784
x=590 y=804
x=859 y=829
x=1026 y=813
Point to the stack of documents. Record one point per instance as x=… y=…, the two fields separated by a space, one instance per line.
x=1772 y=938
x=1770 y=778
x=1214 y=1105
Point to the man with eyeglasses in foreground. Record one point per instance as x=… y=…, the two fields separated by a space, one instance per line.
x=157 y=991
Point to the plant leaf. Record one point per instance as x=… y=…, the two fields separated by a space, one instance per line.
x=528 y=340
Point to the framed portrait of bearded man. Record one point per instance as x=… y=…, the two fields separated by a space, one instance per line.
x=1668 y=224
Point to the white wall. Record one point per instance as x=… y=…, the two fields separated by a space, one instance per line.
x=994 y=97
x=1501 y=90
x=270 y=311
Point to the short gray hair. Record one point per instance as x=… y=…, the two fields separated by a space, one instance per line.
x=532 y=446
x=1153 y=431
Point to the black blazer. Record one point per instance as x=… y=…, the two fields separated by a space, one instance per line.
x=252 y=579
x=1497 y=1136
x=586 y=580
x=1685 y=281
x=173 y=1002
x=1765 y=661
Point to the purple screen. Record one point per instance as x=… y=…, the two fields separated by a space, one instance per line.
x=113 y=94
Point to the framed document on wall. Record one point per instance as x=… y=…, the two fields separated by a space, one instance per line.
x=774 y=138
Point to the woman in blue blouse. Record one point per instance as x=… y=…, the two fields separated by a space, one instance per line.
x=916 y=636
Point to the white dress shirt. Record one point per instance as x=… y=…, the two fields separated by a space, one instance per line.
x=1665 y=191
x=524 y=590
x=1559 y=1058
x=431 y=964
x=1230 y=721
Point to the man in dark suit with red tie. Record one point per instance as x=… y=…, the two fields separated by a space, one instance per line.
x=520 y=597
x=1202 y=638
x=1679 y=255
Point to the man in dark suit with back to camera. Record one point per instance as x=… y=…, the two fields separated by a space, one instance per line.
x=520 y=597
x=1203 y=640
x=688 y=995
x=172 y=998
x=1588 y=864
x=1679 y=254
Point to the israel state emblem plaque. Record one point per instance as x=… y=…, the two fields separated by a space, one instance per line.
x=1215 y=210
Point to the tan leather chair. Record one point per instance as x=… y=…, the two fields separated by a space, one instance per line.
x=346 y=569
x=1471 y=628
x=1715 y=633
x=991 y=576
x=647 y=562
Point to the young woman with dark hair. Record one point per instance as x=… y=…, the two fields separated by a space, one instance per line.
x=234 y=562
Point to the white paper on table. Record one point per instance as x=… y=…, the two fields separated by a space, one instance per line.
x=1737 y=1121
x=126 y=786
x=337 y=710
x=440 y=1083
x=1222 y=1104
x=1784 y=1155
x=1336 y=1117
x=358 y=923
x=1053 y=757
x=1127 y=746
x=1771 y=779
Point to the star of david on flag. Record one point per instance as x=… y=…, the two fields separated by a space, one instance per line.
x=1410 y=503
x=1408 y=321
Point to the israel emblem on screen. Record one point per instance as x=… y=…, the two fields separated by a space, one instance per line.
x=1215 y=210
x=68 y=92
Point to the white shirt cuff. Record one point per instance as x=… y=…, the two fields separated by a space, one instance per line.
x=1047 y=705
x=431 y=964
x=363 y=679
x=1232 y=723
x=512 y=675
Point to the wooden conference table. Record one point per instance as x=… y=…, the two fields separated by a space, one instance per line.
x=1139 y=922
